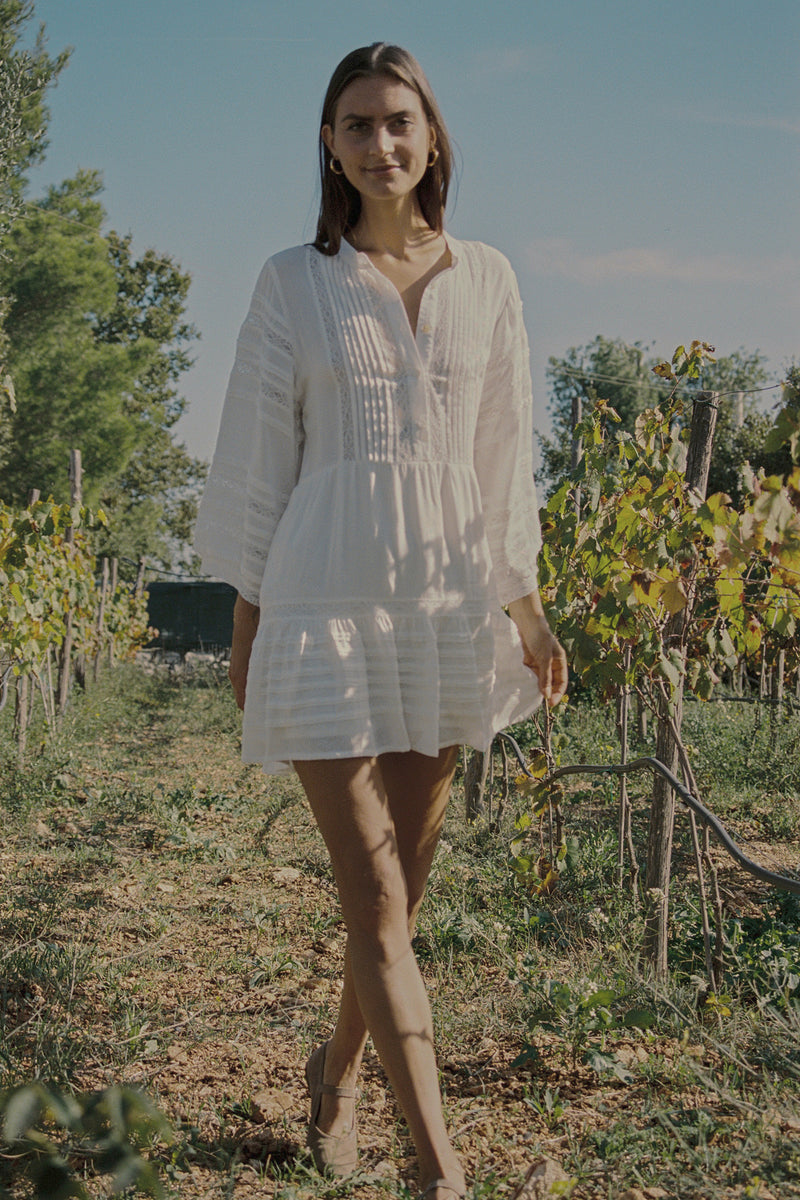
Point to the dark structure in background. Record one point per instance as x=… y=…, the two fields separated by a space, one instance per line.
x=191 y=615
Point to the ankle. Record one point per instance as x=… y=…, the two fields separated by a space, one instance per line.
x=341 y=1070
x=337 y=1116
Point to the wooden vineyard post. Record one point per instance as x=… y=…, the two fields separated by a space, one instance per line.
x=112 y=591
x=22 y=714
x=101 y=616
x=776 y=713
x=475 y=776
x=24 y=699
x=65 y=664
x=623 y=711
x=576 y=454
x=641 y=718
x=662 y=808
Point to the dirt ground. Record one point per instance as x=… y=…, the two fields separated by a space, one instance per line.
x=201 y=894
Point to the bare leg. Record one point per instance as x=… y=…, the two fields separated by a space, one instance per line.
x=351 y=804
x=417 y=788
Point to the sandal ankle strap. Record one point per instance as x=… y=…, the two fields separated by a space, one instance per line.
x=344 y=1093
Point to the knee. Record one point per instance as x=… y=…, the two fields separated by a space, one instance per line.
x=378 y=916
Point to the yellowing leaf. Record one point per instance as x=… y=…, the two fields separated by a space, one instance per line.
x=538 y=766
x=647 y=591
x=674 y=595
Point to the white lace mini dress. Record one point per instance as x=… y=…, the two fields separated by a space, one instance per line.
x=372 y=491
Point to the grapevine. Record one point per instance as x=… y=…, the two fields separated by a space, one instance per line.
x=47 y=571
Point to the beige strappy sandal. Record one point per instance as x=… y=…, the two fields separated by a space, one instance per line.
x=332 y=1155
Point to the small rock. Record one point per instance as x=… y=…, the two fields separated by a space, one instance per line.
x=286 y=875
x=270 y=1105
x=324 y=944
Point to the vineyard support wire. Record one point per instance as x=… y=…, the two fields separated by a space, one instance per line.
x=653 y=764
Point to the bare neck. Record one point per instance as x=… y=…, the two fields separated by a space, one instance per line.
x=397 y=230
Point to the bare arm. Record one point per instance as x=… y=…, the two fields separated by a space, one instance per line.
x=542 y=652
x=245 y=624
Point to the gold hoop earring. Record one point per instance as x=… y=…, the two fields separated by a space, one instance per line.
x=433 y=156
x=336 y=166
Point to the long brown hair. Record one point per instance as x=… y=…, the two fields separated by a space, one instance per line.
x=340 y=205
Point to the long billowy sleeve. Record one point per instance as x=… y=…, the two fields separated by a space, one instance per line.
x=259 y=449
x=504 y=456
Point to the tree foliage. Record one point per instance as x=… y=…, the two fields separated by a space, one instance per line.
x=95 y=338
x=742 y=424
x=70 y=386
x=154 y=497
x=24 y=77
x=607 y=369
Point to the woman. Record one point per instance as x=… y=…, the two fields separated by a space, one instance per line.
x=371 y=499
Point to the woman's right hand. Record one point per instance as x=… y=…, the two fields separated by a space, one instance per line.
x=245 y=624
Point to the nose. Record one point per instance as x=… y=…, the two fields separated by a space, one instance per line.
x=382 y=140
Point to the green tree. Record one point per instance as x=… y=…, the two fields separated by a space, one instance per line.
x=69 y=384
x=97 y=343
x=24 y=78
x=95 y=339
x=153 y=500
x=608 y=370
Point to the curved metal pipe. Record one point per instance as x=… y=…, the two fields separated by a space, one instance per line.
x=654 y=764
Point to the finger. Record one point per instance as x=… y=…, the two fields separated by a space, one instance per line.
x=545 y=677
x=560 y=675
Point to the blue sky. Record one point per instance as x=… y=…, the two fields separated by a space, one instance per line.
x=637 y=161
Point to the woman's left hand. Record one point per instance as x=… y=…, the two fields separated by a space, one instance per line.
x=542 y=653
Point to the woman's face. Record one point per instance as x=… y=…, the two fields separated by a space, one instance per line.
x=381 y=137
